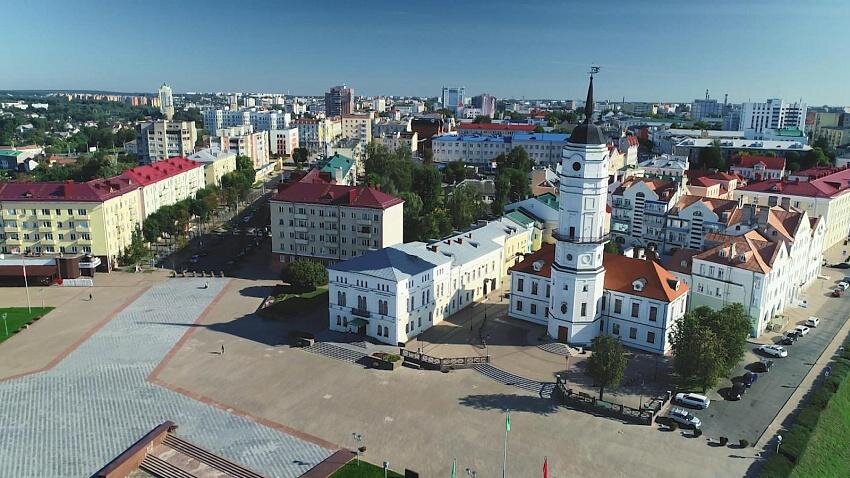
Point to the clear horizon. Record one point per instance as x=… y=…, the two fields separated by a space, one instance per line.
x=512 y=49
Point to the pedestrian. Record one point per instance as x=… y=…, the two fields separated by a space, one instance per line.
x=90 y=297
x=206 y=285
x=222 y=349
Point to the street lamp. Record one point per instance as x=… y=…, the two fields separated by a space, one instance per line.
x=386 y=467
x=358 y=438
x=778 y=442
x=5 y=324
x=26 y=284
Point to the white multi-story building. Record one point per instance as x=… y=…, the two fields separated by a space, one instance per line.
x=166 y=182
x=163 y=139
x=244 y=141
x=542 y=148
x=639 y=207
x=396 y=293
x=820 y=192
x=283 y=141
x=772 y=114
x=316 y=134
x=358 y=126
x=452 y=97
x=329 y=222
x=216 y=119
x=166 y=101
x=666 y=166
x=764 y=269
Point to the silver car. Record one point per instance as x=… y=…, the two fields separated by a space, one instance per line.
x=683 y=417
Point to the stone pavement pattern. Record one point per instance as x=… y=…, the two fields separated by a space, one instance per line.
x=74 y=418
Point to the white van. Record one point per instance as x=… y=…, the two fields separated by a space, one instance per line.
x=694 y=400
x=812 y=322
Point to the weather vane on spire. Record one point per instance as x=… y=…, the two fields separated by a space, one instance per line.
x=593 y=70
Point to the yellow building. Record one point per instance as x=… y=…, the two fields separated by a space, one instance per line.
x=96 y=217
x=216 y=163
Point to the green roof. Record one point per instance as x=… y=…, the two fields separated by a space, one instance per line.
x=336 y=162
x=795 y=132
x=548 y=199
x=10 y=152
x=520 y=218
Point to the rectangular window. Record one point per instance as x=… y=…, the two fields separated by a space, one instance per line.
x=615 y=329
x=635 y=309
x=519 y=305
x=653 y=313
x=618 y=306
x=632 y=333
x=584 y=309
x=650 y=337
x=533 y=309
x=519 y=283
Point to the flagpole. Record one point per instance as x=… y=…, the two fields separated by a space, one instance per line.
x=505 y=458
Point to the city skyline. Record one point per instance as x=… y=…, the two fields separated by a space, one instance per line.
x=673 y=54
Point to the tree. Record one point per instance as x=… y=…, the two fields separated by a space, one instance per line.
x=503 y=189
x=454 y=172
x=304 y=275
x=434 y=225
x=539 y=129
x=731 y=325
x=137 y=251
x=611 y=248
x=712 y=157
x=607 y=363
x=697 y=355
x=482 y=119
x=300 y=156
x=816 y=157
x=465 y=206
x=428 y=182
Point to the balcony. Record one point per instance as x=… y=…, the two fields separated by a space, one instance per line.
x=598 y=239
x=361 y=313
x=8 y=228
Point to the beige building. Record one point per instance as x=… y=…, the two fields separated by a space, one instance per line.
x=163 y=139
x=244 y=141
x=216 y=163
x=835 y=137
x=329 y=223
x=408 y=140
x=358 y=126
x=283 y=141
x=97 y=217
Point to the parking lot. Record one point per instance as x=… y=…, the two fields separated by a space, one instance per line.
x=750 y=417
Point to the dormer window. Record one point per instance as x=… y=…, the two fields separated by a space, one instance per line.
x=639 y=284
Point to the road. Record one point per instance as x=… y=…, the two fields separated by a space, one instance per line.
x=749 y=417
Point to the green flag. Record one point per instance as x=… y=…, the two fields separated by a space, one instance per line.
x=508 y=422
x=454 y=468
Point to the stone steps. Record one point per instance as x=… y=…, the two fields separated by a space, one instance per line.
x=335 y=352
x=208 y=458
x=544 y=389
x=162 y=469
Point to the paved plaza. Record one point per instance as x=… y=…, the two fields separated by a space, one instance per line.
x=73 y=418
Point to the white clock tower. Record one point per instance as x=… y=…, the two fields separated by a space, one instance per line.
x=575 y=309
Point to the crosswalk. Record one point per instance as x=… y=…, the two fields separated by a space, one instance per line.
x=544 y=389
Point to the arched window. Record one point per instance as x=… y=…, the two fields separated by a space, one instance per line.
x=345 y=321
x=340 y=298
x=386 y=331
x=361 y=302
x=338 y=320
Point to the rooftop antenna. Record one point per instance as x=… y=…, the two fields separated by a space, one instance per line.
x=706 y=94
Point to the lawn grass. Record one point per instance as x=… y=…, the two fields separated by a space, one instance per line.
x=364 y=470
x=827 y=453
x=17 y=317
x=288 y=304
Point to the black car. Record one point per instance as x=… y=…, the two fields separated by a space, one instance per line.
x=787 y=340
x=762 y=366
x=841 y=265
x=749 y=378
x=738 y=390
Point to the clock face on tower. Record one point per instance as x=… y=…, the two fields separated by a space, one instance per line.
x=585 y=259
x=576 y=166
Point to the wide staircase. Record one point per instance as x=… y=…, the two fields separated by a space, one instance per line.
x=208 y=458
x=335 y=352
x=162 y=469
x=544 y=389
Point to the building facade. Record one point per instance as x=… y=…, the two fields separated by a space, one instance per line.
x=260 y=120
x=163 y=139
x=339 y=100
x=166 y=182
x=166 y=101
x=283 y=141
x=639 y=209
x=244 y=141
x=772 y=114
x=329 y=223
x=216 y=163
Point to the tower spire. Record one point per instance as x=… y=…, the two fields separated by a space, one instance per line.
x=588 y=104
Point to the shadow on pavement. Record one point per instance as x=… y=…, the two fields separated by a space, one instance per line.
x=515 y=403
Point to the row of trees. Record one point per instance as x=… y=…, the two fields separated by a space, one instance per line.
x=96 y=166
x=820 y=155
x=511 y=178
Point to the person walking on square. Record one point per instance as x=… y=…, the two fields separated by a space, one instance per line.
x=90 y=297
x=222 y=349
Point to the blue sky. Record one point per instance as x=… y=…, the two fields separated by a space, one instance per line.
x=652 y=50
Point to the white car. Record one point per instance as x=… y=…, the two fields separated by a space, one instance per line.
x=812 y=322
x=683 y=417
x=801 y=330
x=773 y=350
x=843 y=285
x=694 y=400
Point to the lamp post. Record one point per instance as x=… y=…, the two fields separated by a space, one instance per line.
x=358 y=438
x=386 y=467
x=5 y=324
x=778 y=442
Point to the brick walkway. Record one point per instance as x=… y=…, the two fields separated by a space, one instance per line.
x=73 y=418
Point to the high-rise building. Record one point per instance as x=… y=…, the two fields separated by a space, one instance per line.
x=452 y=97
x=772 y=114
x=244 y=141
x=486 y=103
x=166 y=101
x=339 y=100
x=216 y=119
x=163 y=139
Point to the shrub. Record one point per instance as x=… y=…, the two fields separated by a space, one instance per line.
x=743 y=443
x=808 y=417
x=794 y=442
x=777 y=466
x=820 y=397
x=305 y=275
x=392 y=357
x=36 y=318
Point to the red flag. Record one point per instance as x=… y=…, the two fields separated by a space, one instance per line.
x=545 y=467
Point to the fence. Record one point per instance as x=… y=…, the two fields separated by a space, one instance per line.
x=438 y=363
x=584 y=402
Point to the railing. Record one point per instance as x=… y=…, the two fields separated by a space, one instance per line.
x=361 y=312
x=438 y=363
x=584 y=402
x=595 y=239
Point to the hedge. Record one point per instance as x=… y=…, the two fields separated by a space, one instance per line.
x=808 y=417
x=794 y=442
x=777 y=466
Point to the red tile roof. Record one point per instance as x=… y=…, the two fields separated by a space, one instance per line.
x=151 y=173
x=528 y=128
x=333 y=194
x=829 y=185
x=748 y=161
x=98 y=190
x=620 y=274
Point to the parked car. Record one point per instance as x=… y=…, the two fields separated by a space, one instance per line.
x=195 y=259
x=737 y=391
x=773 y=350
x=843 y=285
x=801 y=330
x=841 y=265
x=749 y=378
x=683 y=417
x=837 y=292
x=762 y=366
x=787 y=340
x=812 y=322
x=693 y=400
